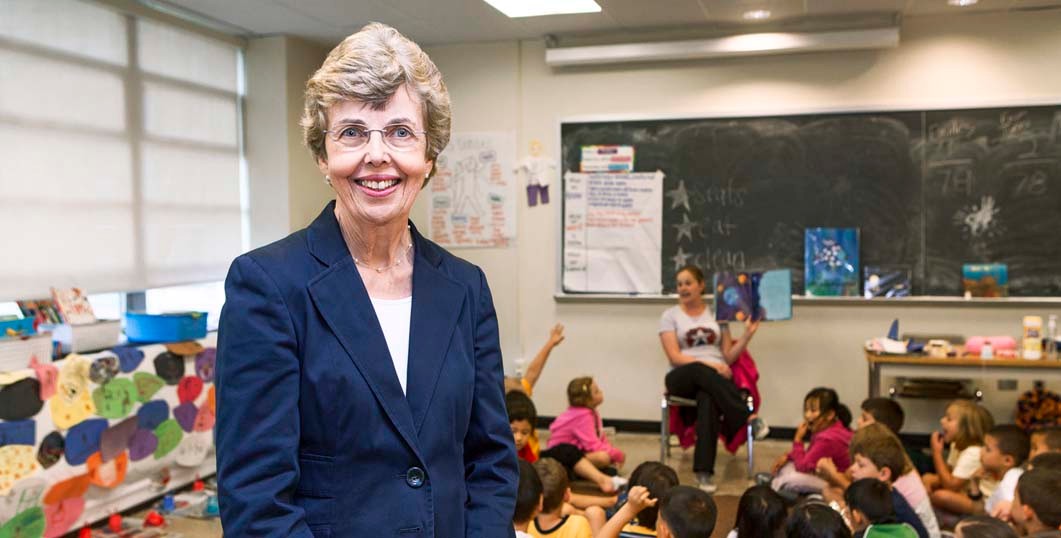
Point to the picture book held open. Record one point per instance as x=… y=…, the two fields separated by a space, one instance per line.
x=764 y=295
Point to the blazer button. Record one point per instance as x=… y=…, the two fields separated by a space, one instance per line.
x=415 y=477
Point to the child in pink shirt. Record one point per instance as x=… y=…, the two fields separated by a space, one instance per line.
x=825 y=420
x=581 y=425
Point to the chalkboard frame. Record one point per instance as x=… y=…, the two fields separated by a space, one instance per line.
x=562 y=296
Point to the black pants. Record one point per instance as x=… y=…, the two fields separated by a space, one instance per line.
x=719 y=409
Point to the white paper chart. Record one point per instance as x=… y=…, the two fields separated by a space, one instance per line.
x=612 y=229
x=473 y=193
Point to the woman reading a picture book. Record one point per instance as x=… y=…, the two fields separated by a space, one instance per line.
x=700 y=352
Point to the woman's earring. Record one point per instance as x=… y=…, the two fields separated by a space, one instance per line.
x=328 y=180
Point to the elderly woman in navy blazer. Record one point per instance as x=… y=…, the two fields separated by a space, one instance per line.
x=359 y=370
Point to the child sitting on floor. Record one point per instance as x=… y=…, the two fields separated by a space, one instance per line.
x=654 y=478
x=1005 y=451
x=534 y=369
x=888 y=412
x=870 y=507
x=963 y=426
x=582 y=427
x=552 y=521
x=825 y=422
x=522 y=416
x=1037 y=503
x=528 y=499
x=1045 y=440
x=761 y=513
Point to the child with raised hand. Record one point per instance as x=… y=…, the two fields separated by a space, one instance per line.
x=582 y=427
x=638 y=500
x=872 y=513
x=534 y=369
x=1045 y=440
x=824 y=428
x=522 y=416
x=1037 y=503
x=963 y=426
x=686 y=512
x=658 y=479
x=761 y=513
x=528 y=499
x=552 y=521
x=877 y=453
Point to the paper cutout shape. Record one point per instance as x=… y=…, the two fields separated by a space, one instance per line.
x=83 y=439
x=193 y=449
x=7 y=378
x=147 y=385
x=189 y=388
x=16 y=462
x=47 y=375
x=186 y=414
x=204 y=364
x=886 y=281
x=830 y=261
x=60 y=517
x=25 y=495
x=129 y=358
x=20 y=400
x=115 y=399
x=189 y=348
x=169 y=436
x=22 y=432
x=740 y=296
x=67 y=489
x=142 y=445
x=72 y=402
x=170 y=367
x=152 y=414
x=115 y=439
x=204 y=421
x=103 y=369
x=211 y=399
x=986 y=279
x=107 y=474
x=27 y=524
x=51 y=450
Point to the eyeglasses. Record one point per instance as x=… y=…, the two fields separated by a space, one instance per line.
x=397 y=137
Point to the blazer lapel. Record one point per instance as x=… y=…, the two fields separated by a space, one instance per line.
x=341 y=298
x=437 y=304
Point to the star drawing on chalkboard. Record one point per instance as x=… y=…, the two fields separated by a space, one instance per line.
x=679 y=196
x=685 y=228
x=681 y=259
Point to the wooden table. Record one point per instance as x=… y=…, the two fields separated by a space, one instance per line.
x=878 y=362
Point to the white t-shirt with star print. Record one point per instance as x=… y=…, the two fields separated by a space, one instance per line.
x=699 y=337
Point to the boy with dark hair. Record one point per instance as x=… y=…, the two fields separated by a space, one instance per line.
x=686 y=512
x=883 y=410
x=872 y=514
x=1045 y=440
x=1049 y=460
x=528 y=499
x=551 y=521
x=1004 y=453
x=1037 y=503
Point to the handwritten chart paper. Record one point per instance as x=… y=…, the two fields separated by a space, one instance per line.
x=473 y=193
x=612 y=229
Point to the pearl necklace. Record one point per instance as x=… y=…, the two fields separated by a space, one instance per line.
x=380 y=270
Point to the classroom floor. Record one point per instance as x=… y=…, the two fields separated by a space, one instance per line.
x=730 y=472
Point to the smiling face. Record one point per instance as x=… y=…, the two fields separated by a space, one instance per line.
x=376 y=184
x=690 y=289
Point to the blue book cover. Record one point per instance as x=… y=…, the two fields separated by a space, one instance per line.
x=746 y=295
x=830 y=262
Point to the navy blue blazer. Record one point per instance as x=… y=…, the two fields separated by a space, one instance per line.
x=314 y=435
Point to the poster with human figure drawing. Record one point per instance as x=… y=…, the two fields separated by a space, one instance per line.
x=473 y=193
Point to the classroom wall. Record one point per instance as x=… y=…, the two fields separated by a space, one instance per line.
x=967 y=60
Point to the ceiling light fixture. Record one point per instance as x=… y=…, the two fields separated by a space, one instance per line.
x=962 y=3
x=756 y=15
x=724 y=47
x=536 y=8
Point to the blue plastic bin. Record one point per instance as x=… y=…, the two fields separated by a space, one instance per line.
x=171 y=327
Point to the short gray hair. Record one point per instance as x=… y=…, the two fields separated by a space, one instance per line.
x=370 y=66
